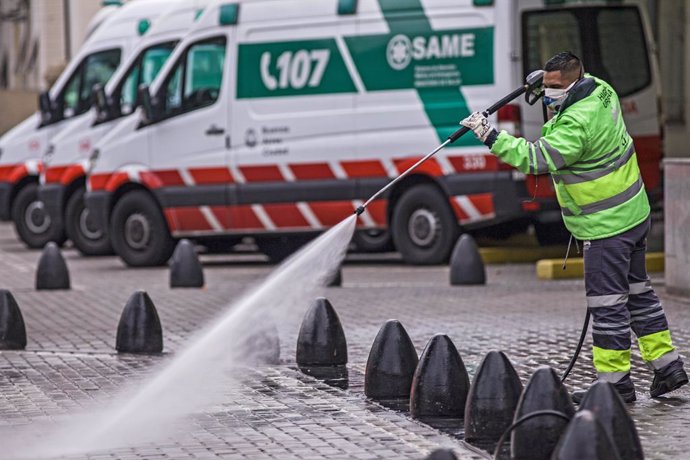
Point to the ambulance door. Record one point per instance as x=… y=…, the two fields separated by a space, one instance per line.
x=293 y=118
x=189 y=143
x=615 y=45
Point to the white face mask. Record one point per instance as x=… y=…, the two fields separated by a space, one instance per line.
x=554 y=97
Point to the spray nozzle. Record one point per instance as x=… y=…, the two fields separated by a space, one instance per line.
x=359 y=210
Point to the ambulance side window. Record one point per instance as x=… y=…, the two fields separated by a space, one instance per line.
x=96 y=68
x=196 y=79
x=144 y=71
x=203 y=74
x=609 y=40
x=70 y=95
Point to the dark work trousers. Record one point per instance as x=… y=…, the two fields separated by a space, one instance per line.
x=620 y=297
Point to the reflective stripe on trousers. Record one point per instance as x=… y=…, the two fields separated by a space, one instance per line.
x=620 y=297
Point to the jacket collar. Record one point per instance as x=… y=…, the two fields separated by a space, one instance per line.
x=581 y=90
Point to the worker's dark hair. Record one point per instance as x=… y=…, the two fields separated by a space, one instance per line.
x=566 y=62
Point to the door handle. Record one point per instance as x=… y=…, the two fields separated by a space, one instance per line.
x=214 y=130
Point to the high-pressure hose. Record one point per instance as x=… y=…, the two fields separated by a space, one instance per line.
x=532 y=85
x=583 y=334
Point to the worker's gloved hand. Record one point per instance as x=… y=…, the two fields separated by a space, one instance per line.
x=482 y=127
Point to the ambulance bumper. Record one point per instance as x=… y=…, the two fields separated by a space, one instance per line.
x=98 y=204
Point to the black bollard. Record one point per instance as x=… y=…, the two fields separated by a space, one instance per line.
x=139 y=330
x=466 y=265
x=585 y=438
x=442 y=454
x=12 y=329
x=440 y=383
x=52 y=270
x=536 y=439
x=186 y=270
x=321 y=340
x=492 y=400
x=605 y=403
x=391 y=364
x=336 y=279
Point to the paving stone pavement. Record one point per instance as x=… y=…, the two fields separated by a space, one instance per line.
x=276 y=411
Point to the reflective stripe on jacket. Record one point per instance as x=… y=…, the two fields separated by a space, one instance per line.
x=591 y=157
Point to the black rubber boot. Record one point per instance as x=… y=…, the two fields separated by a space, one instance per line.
x=624 y=386
x=668 y=378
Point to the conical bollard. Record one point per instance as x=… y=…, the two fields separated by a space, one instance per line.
x=336 y=279
x=186 y=270
x=585 y=438
x=440 y=383
x=12 y=329
x=391 y=364
x=466 y=265
x=492 y=400
x=321 y=340
x=140 y=328
x=442 y=454
x=52 y=270
x=605 y=403
x=536 y=439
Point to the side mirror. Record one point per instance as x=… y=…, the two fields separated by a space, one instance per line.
x=144 y=98
x=100 y=102
x=45 y=106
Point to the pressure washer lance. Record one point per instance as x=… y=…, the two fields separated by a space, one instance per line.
x=533 y=84
x=533 y=88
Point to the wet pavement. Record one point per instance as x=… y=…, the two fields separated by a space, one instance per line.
x=70 y=363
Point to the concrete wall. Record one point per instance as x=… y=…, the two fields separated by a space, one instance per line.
x=37 y=49
x=674 y=51
x=16 y=106
x=677 y=224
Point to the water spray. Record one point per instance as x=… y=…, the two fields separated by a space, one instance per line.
x=532 y=87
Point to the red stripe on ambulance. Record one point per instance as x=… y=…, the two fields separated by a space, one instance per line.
x=312 y=171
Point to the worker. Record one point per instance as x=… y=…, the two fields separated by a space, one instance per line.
x=587 y=150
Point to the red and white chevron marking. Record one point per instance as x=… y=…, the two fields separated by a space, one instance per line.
x=303 y=215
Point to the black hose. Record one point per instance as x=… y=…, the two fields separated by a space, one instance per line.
x=520 y=421
x=583 y=334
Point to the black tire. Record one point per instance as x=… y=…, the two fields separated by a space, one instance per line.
x=424 y=226
x=138 y=231
x=373 y=240
x=87 y=238
x=279 y=248
x=551 y=233
x=32 y=223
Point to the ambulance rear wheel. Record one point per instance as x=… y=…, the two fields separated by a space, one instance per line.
x=138 y=231
x=32 y=223
x=89 y=239
x=373 y=240
x=424 y=226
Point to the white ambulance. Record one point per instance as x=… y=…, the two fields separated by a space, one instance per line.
x=63 y=178
x=277 y=118
x=23 y=146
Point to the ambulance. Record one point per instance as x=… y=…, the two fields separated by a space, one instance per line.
x=23 y=146
x=66 y=160
x=276 y=119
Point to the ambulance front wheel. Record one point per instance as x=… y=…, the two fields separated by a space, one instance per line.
x=138 y=231
x=424 y=226
x=32 y=222
x=88 y=238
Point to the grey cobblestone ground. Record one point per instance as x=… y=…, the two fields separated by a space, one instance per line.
x=276 y=411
